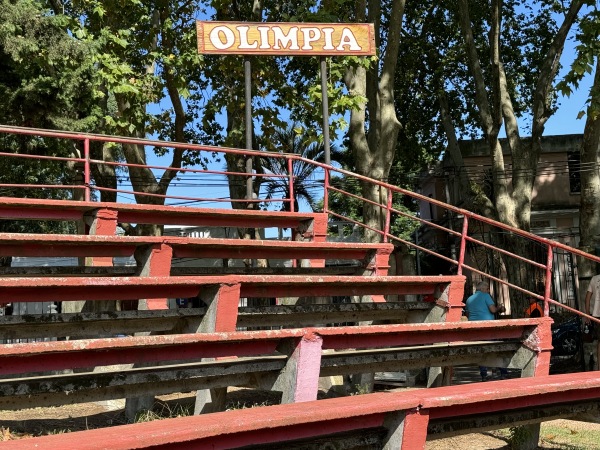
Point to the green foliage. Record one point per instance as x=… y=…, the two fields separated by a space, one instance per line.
x=46 y=81
x=46 y=76
x=306 y=176
x=587 y=51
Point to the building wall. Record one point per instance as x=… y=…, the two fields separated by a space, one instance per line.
x=555 y=208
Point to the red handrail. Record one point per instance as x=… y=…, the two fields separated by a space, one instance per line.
x=468 y=217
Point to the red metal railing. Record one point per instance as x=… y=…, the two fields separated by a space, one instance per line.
x=466 y=221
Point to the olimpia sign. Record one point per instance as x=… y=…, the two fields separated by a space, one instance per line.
x=306 y=39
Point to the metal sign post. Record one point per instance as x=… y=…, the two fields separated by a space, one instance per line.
x=248 y=107
x=285 y=39
x=325 y=104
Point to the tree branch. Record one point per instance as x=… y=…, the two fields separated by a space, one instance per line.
x=475 y=68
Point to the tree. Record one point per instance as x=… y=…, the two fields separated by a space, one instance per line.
x=293 y=141
x=145 y=53
x=589 y=218
x=524 y=49
x=46 y=81
x=588 y=51
x=512 y=206
x=374 y=126
x=46 y=75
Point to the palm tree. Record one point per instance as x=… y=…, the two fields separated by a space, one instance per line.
x=288 y=140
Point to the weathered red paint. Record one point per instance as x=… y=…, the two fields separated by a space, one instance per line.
x=414 y=433
x=306 y=366
x=155 y=285
x=103 y=221
x=158 y=264
x=226 y=307
x=280 y=423
x=56 y=355
x=43 y=209
x=133 y=288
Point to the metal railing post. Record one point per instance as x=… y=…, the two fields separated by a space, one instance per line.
x=326 y=191
x=291 y=172
x=548 y=284
x=388 y=214
x=86 y=168
x=463 y=244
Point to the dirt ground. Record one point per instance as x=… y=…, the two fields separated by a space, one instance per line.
x=34 y=422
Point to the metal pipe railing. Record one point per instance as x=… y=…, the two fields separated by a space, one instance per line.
x=468 y=217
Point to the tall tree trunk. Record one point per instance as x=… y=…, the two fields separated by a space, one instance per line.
x=512 y=206
x=589 y=219
x=374 y=150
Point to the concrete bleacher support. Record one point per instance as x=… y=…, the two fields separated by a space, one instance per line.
x=221 y=315
x=299 y=379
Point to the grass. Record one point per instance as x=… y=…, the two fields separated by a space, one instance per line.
x=569 y=438
x=555 y=436
x=164 y=411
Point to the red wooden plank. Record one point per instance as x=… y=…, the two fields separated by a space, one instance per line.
x=18 y=208
x=55 y=355
x=111 y=288
x=59 y=249
x=18 y=244
x=20 y=213
x=317 y=418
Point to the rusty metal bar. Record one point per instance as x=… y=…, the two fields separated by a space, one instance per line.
x=186 y=169
x=291 y=181
x=86 y=168
x=548 y=284
x=325 y=109
x=42 y=157
x=463 y=245
x=327 y=186
x=504 y=252
x=44 y=186
x=386 y=228
x=195 y=199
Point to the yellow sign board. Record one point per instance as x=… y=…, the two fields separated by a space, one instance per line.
x=305 y=39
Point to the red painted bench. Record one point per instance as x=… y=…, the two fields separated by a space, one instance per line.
x=372 y=256
x=224 y=292
x=403 y=416
x=109 y=214
x=290 y=361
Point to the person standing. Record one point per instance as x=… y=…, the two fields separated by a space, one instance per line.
x=481 y=306
x=593 y=291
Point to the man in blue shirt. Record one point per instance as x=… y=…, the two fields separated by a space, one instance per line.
x=481 y=306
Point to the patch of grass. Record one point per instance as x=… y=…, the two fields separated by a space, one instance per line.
x=163 y=411
x=563 y=437
x=245 y=405
x=569 y=438
x=518 y=437
x=58 y=431
x=361 y=389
